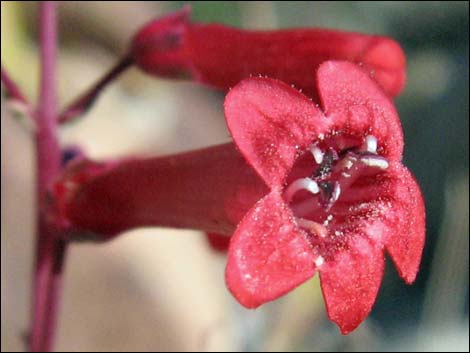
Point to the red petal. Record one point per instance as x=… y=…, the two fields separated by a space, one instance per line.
x=358 y=106
x=159 y=46
x=386 y=60
x=350 y=282
x=270 y=122
x=406 y=245
x=268 y=254
x=289 y=55
x=389 y=210
x=218 y=242
x=222 y=56
x=209 y=189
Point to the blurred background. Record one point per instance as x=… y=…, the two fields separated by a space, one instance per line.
x=160 y=289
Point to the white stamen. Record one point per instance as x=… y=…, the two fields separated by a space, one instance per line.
x=371 y=144
x=319 y=261
x=313 y=227
x=377 y=162
x=336 y=192
x=317 y=154
x=301 y=184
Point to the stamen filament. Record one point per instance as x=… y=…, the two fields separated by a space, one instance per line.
x=336 y=192
x=305 y=207
x=306 y=184
x=313 y=227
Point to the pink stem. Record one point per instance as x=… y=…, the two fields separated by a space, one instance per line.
x=50 y=250
x=12 y=89
x=84 y=102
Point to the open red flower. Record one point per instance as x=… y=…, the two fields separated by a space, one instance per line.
x=222 y=56
x=339 y=194
x=326 y=192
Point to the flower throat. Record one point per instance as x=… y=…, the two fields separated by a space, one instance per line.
x=337 y=167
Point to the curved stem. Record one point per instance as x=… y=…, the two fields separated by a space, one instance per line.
x=12 y=89
x=84 y=102
x=17 y=100
x=50 y=250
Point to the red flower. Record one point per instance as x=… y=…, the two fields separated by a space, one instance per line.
x=334 y=196
x=222 y=56
x=209 y=189
x=339 y=193
x=218 y=242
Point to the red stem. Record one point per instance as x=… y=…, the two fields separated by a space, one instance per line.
x=12 y=89
x=50 y=250
x=84 y=102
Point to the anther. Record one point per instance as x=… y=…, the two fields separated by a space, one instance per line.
x=371 y=144
x=328 y=160
x=317 y=154
x=375 y=161
x=306 y=184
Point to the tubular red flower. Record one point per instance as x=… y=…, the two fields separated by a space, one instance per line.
x=337 y=186
x=326 y=192
x=222 y=56
x=209 y=189
x=218 y=242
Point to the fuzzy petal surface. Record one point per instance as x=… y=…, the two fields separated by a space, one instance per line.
x=270 y=123
x=358 y=106
x=350 y=283
x=406 y=245
x=268 y=255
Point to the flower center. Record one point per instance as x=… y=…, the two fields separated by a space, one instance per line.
x=337 y=165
